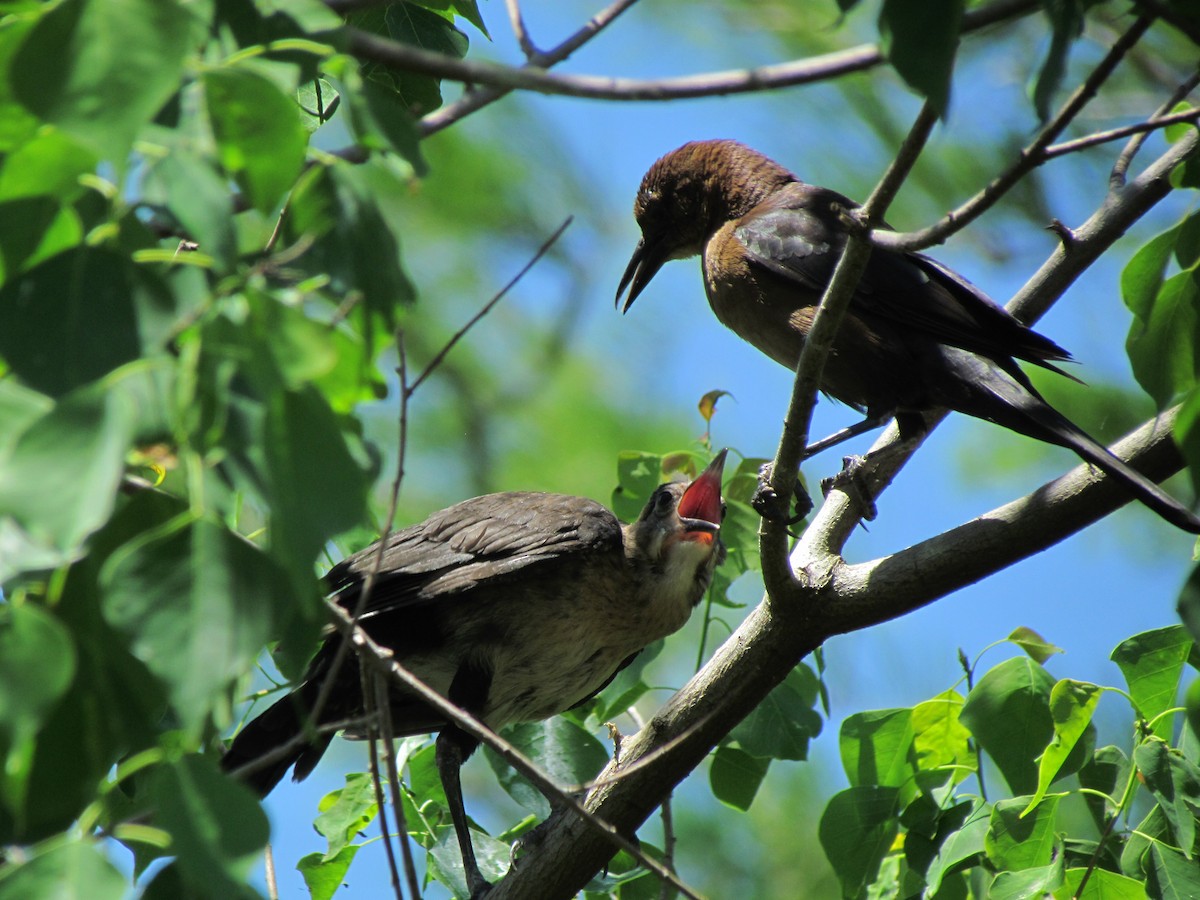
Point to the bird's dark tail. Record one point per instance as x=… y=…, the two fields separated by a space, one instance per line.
x=272 y=743
x=1138 y=484
x=1025 y=411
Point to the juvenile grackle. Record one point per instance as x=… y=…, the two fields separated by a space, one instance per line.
x=916 y=336
x=514 y=606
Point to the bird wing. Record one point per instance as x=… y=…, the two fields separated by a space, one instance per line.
x=484 y=539
x=796 y=234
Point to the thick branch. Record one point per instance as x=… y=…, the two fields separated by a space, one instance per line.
x=869 y=593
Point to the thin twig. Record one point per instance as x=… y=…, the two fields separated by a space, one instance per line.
x=667 y=891
x=479 y=97
x=1141 y=129
x=517 y=21
x=272 y=878
x=487 y=307
x=1029 y=159
x=361 y=606
x=384 y=708
x=1116 y=178
x=368 y=677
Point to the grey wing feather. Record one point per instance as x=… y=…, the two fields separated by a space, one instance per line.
x=489 y=538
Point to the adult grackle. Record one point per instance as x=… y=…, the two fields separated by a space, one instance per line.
x=915 y=337
x=514 y=606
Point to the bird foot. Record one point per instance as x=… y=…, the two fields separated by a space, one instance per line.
x=768 y=504
x=849 y=481
x=528 y=841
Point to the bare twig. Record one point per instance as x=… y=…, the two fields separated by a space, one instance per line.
x=384 y=708
x=517 y=21
x=272 y=879
x=478 y=97
x=369 y=677
x=487 y=307
x=1103 y=137
x=1030 y=158
x=1116 y=178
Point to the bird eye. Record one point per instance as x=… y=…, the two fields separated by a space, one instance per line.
x=724 y=510
x=663 y=503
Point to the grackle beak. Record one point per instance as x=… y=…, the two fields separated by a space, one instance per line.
x=647 y=260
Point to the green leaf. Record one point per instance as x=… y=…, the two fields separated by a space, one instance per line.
x=95 y=308
x=857 y=829
x=345 y=813
x=74 y=869
x=1152 y=663
x=32 y=230
x=316 y=487
x=920 y=39
x=1028 y=883
x=638 y=474
x=259 y=135
x=877 y=748
x=59 y=483
x=1066 y=22
x=467 y=9
x=445 y=860
x=735 y=776
x=337 y=209
x=197 y=603
x=196 y=194
x=1175 y=784
x=958 y=848
x=1038 y=648
x=322 y=874
x=942 y=744
x=118 y=62
x=217 y=827
x=1162 y=340
x=1187 y=435
x=1101 y=885
x=1108 y=768
x=37 y=663
x=412 y=25
x=782 y=725
x=48 y=165
x=1018 y=841
x=20 y=407
x=1171 y=875
x=569 y=754
x=318 y=100
x=1008 y=712
x=1072 y=704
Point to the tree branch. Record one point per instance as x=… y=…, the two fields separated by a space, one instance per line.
x=366 y=46
x=479 y=97
x=1029 y=159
